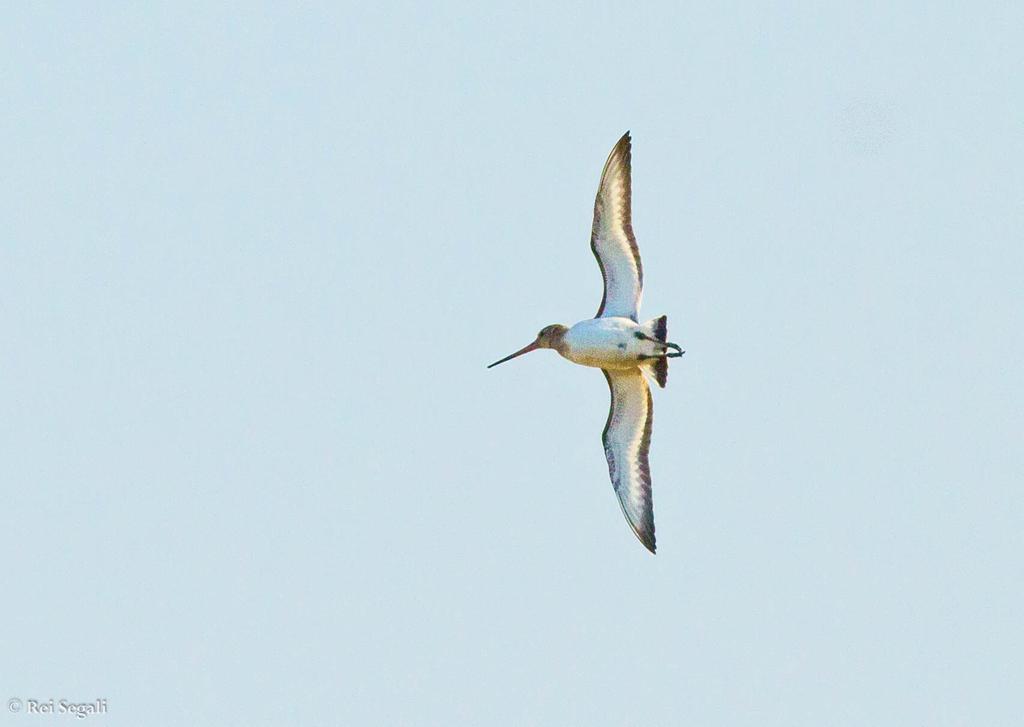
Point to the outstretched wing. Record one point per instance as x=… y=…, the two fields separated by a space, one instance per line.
x=612 y=238
x=627 y=438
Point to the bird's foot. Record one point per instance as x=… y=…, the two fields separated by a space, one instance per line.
x=665 y=354
x=664 y=344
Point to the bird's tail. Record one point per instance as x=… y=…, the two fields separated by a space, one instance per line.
x=657 y=368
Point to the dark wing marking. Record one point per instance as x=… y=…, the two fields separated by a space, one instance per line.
x=612 y=239
x=627 y=439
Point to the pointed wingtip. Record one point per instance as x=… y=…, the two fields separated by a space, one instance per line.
x=646 y=538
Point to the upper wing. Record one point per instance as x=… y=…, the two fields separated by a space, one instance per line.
x=612 y=238
x=627 y=438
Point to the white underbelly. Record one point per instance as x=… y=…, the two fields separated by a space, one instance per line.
x=606 y=343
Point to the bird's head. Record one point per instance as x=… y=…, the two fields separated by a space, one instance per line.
x=549 y=337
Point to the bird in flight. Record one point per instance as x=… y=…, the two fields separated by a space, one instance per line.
x=616 y=342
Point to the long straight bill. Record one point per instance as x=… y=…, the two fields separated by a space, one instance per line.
x=526 y=349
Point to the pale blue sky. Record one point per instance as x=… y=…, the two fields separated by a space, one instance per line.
x=255 y=259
